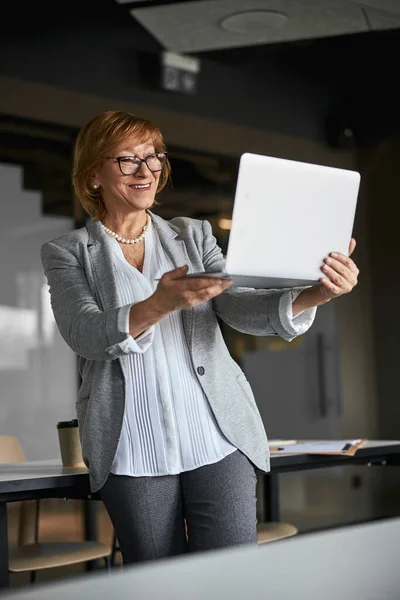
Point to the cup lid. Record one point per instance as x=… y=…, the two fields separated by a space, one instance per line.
x=73 y=423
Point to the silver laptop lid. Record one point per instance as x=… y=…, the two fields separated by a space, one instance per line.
x=288 y=216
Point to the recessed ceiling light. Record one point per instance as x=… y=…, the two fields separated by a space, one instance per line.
x=253 y=21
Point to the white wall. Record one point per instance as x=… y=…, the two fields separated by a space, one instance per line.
x=38 y=379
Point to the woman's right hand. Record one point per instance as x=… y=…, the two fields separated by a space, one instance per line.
x=176 y=292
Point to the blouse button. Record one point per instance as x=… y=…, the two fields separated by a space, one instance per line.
x=200 y=370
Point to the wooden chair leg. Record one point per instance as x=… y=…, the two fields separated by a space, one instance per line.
x=114 y=549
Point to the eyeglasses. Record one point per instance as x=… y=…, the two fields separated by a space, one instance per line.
x=129 y=165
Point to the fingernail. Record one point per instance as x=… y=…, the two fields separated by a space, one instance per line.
x=334 y=254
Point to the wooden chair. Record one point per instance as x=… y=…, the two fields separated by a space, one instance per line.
x=31 y=555
x=270 y=532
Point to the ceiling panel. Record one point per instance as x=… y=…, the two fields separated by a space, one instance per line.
x=205 y=25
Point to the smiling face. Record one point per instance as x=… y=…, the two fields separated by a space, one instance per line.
x=127 y=194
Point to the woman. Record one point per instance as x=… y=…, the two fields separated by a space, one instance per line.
x=169 y=427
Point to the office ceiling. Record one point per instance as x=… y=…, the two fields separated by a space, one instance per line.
x=194 y=26
x=360 y=67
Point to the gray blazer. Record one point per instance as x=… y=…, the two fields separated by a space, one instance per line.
x=78 y=267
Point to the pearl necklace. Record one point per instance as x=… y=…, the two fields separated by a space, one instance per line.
x=123 y=240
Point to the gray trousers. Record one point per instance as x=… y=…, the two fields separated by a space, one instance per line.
x=217 y=501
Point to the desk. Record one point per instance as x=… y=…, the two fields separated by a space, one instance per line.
x=348 y=562
x=48 y=479
x=39 y=479
x=375 y=452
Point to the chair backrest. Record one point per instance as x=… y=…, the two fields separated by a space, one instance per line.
x=10 y=450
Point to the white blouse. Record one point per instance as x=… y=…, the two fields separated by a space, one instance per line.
x=168 y=425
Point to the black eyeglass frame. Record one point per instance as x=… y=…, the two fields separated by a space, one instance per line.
x=140 y=161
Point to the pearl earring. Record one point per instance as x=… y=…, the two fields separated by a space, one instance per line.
x=95 y=186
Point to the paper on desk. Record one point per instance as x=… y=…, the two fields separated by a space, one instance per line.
x=278 y=442
x=320 y=447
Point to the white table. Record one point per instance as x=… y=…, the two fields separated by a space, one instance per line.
x=353 y=562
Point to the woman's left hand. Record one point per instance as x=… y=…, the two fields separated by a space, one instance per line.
x=341 y=274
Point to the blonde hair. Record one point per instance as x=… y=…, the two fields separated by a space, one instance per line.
x=97 y=140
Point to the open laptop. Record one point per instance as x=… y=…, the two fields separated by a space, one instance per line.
x=287 y=217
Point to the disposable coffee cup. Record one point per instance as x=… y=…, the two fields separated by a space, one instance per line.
x=70 y=444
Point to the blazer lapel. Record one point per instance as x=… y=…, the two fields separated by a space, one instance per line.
x=172 y=244
x=177 y=252
x=101 y=262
